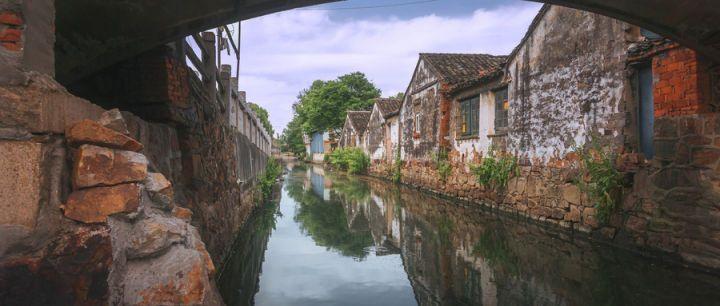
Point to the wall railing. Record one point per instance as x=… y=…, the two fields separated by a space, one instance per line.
x=218 y=83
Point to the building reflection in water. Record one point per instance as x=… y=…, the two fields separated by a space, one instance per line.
x=455 y=254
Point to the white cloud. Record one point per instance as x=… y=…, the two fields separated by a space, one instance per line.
x=283 y=53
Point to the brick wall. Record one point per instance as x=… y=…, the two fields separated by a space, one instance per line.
x=158 y=78
x=680 y=80
x=11 y=31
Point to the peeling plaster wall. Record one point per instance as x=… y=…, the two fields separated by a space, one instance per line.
x=347 y=136
x=423 y=98
x=568 y=80
x=376 y=135
x=393 y=124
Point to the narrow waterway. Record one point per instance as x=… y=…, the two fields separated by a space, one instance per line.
x=339 y=240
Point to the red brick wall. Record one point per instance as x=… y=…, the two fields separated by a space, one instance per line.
x=11 y=31
x=160 y=79
x=445 y=104
x=680 y=83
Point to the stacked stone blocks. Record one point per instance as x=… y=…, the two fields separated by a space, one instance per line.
x=158 y=257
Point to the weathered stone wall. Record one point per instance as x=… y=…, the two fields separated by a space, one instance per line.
x=673 y=204
x=422 y=103
x=375 y=135
x=57 y=247
x=568 y=81
x=47 y=257
x=211 y=160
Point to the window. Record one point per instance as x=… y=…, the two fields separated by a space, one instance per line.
x=417 y=123
x=469 y=111
x=501 y=109
x=646 y=114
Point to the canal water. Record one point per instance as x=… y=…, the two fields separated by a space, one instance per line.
x=338 y=240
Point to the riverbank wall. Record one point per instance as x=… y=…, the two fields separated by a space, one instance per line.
x=669 y=205
x=510 y=259
x=83 y=221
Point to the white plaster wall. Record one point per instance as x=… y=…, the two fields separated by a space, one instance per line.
x=394 y=132
x=318 y=157
x=378 y=153
x=375 y=147
x=486 y=125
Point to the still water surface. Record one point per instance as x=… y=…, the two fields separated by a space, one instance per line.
x=339 y=240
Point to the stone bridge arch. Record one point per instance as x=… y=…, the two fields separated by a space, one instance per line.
x=93 y=34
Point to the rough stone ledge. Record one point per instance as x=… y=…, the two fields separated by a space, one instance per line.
x=99 y=166
x=94 y=205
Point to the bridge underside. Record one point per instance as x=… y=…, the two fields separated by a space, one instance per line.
x=693 y=23
x=93 y=34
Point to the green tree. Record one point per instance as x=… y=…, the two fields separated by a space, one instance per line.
x=291 y=139
x=264 y=117
x=323 y=106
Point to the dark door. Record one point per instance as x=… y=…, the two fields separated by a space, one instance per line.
x=647 y=111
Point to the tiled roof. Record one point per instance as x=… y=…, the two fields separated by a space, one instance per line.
x=479 y=80
x=648 y=47
x=359 y=120
x=454 y=67
x=388 y=106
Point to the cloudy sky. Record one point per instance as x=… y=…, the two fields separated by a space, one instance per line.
x=283 y=53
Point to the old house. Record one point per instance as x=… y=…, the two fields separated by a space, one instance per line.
x=319 y=143
x=425 y=113
x=353 y=132
x=383 y=131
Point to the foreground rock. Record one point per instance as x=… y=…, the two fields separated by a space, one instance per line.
x=157 y=256
x=178 y=277
x=160 y=190
x=72 y=270
x=153 y=236
x=94 y=205
x=91 y=132
x=98 y=166
x=114 y=120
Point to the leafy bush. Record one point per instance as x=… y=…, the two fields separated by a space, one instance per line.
x=599 y=179
x=442 y=164
x=396 y=174
x=494 y=172
x=273 y=169
x=352 y=160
